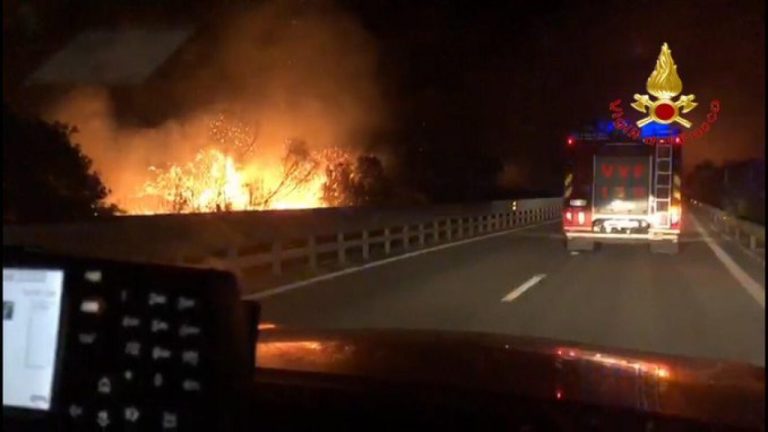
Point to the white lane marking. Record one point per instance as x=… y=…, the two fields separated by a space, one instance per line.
x=517 y=292
x=753 y=288
x=294 y=285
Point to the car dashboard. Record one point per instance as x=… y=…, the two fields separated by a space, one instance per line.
x=102 y=345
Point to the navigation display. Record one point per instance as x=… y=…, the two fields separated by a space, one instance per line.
x=31 y=309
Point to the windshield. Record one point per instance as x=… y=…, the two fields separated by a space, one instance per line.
x=554 y=170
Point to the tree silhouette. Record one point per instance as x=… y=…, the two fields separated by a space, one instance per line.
x=358 y=182
x=46 y=177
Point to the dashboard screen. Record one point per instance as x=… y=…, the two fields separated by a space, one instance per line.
x=31 y=309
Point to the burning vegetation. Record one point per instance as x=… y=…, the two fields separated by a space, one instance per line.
x=229 y=175
x=272 y=109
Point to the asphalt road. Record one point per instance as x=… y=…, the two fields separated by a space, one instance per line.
x=620 y=296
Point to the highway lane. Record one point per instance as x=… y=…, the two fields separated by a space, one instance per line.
x=618 y=296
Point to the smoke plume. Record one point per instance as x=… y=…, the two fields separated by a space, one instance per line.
x=280 y=72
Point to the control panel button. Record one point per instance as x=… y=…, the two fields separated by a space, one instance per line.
x=86 y=338
x=93 y=276
x=130 y=321
x=131 y=414
x=188 y=330
x=92 y=306
x=103 y=419
x=160 y=353
x=133 y=348
x=104 y=385
x=129 y=376
x=75 y=411
x=184 y=303
x=169 y=420
x=191 y=386
x=157 y=299
x=159 y=326
x=158 y=380
x=190 y=357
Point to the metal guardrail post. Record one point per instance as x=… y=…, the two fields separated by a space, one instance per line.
x=277 y=248
x=730 y=227
x=460 y=229
x=421 y=235
x=232 y=254
x=435 y=232
x=405 y=237
x=386 y=241
x=448 y=230
x=342 y=249
x=366 y=246
x=312 y=251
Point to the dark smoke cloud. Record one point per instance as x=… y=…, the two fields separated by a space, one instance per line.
x=288 y=69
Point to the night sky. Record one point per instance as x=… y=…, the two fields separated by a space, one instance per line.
x=512 y=81
x=471 y=88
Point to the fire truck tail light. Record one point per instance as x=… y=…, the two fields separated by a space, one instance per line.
x=582 y=218
x=570 y=141
x=674 y=216
x=569 y=216
x=578 y=202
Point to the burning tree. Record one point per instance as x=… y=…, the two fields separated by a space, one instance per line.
x=210 y=182
x=354 y=182
x=230 y=175
x=299 y=167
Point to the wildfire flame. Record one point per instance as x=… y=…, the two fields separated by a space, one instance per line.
x=229 y=175
x=664 y=82
x=211 y=181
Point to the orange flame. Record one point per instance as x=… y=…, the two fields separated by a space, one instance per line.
x=228 y=176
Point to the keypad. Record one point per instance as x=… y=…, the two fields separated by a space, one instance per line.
x=145 y=354
x=145 y=347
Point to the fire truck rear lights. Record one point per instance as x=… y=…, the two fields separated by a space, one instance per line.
x=674 y=216
x=569 y=216
x=677 y=140
x=582 y=218
x=571 y=141
x=578 y=202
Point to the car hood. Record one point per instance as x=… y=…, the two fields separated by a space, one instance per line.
x=710 y=391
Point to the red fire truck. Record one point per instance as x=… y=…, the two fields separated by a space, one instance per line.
x=622 y=190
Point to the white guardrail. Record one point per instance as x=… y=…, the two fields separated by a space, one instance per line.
x=282 y=242
x=747 y=234
x=377 y=241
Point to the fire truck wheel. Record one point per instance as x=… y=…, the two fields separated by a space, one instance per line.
x=669 y=247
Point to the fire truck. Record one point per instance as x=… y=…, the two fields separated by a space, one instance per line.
x=619 y=189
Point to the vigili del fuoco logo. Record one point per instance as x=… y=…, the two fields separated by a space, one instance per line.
x=664 y=84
